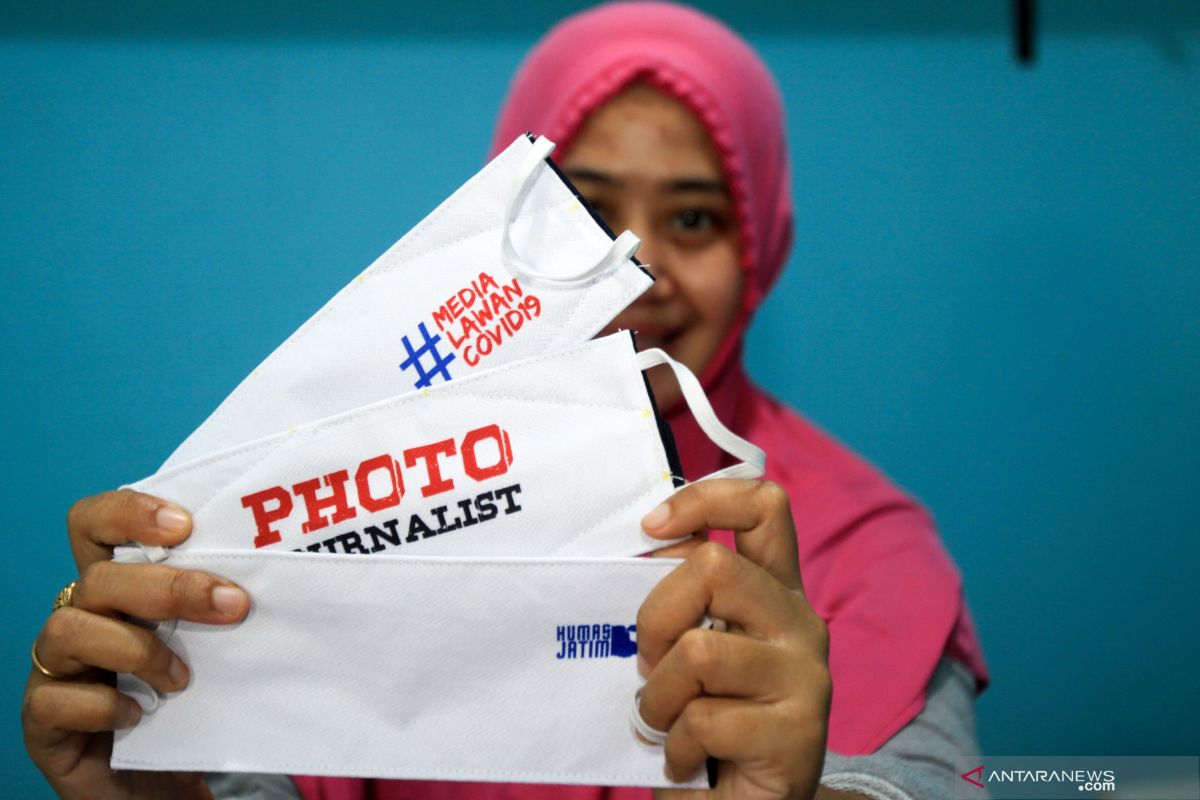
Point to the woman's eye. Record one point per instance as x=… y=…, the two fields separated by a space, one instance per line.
x=694 y=219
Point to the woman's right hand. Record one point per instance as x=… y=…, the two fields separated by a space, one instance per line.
x=69 y=719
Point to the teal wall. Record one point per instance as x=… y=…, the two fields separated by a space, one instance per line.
x=994 y=294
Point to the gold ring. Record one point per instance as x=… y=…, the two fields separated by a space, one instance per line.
x=49 y=673
x=65 y=596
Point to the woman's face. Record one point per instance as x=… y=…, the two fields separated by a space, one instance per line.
x=647 y=165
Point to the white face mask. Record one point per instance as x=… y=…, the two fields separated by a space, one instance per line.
x=559 y=455
x=519 y=455
x=510 y=266
x=509 y=670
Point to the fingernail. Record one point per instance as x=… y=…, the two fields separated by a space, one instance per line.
x=643 y=666
x=129 y=714
x=171 y=520
x=657 y=518
x=178 y=672
x=228 y=600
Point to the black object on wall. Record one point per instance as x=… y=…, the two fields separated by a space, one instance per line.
x=1023 y=30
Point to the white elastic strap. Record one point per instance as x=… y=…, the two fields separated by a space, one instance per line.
x=652 y=735
x=643 y=728
x=753 y=459
x=143 y=693
x=138 y=553
x=621 y=250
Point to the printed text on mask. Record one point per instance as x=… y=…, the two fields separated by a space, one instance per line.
x=482 y=453
x=484 y=315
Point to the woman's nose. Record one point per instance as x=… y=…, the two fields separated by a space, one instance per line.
x=647 y=255
x=652 y=252
x=653 y=258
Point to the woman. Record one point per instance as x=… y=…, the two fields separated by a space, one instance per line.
x=673 y=128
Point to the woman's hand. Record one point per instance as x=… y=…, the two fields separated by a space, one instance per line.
x=69 y=719
x=755 y=696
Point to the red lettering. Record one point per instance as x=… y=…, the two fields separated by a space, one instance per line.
x=469 y=328
x=483 y=315
x=453 y=305
x=503 y=448
x=533 y=306
x=263 y=517
x=443 y=317
x=379 y=481
x=362 y=482
x=433 y=468
x=470 y=356
x=336 y=481
x=456 y=343
x=515 y=320
x=485 y=281
x=466 y=297
x=484 y=345
x=512 y=291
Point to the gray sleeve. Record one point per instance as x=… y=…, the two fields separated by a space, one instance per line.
x=920 y=760
x=251 y=786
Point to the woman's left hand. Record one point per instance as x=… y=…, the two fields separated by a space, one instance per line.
x=755 y=696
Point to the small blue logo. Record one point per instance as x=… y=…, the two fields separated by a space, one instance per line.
x=596 y=641
x=427 y=348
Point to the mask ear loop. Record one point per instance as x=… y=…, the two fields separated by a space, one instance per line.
x=753 y=465
x=146 y=696
x=621 y=250
x=753 y=459
x=654 y=735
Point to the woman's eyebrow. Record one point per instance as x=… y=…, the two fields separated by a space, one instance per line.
x=592 y=175
x=698 y=185
x=673 y=186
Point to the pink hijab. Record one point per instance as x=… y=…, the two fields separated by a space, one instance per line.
x=872 y=562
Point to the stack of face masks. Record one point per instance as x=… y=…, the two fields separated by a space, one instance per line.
x=432 y=492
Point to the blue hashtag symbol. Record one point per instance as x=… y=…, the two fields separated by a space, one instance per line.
x=429 y=347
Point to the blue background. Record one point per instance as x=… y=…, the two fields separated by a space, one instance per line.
x=994 y=293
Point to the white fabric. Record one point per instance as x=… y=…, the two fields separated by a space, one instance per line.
x=411 y=667
x=519 y=451
x=558 y=455
x=920 y=761
x=441 y=296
